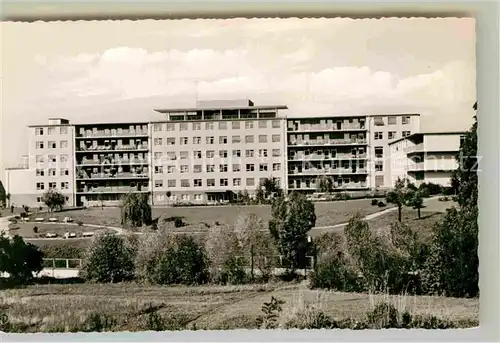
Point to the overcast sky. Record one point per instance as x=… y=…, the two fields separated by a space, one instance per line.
x=119 y=71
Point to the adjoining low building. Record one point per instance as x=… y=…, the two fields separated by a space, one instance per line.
x=428 y=157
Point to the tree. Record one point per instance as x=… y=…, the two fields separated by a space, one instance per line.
x=101 y=198
x=417 y=202
x=54 y=200
x=268 y=189
x=325 y=184
x=168 y=194
x=399 y=195
x=135 y=210
x=292 y=219
x=19 y=259
x=109 y=258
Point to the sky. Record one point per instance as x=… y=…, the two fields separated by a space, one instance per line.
x=107 y=71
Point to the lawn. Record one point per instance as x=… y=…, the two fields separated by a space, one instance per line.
x=57 y=307
x=26 y=229
x=327 y=213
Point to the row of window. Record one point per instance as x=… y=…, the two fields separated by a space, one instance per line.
x=53 y=172
x=51 y=158
x=184 y=183
x=211 y=140
x=40 y=199
x=391 y=120
x=198 y=154
x=391 y=134
x=40 y=186
x=223 y=168
x=63 y=130
x=51 y=144
x=221 y=125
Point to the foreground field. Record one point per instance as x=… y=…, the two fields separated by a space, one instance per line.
x=62 y=307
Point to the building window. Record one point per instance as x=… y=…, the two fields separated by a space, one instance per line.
x=157 y=127
x=250 y=181
x=249 y=139
x=39 y=158
x=40 y=186
x=63 y=130
x=39 y=144
x=276 y=152
x=197 y=168
x=158 y=141
x=210 y=140
x=223 y=140
x=392 y=120
x=379 y=151
x=276 y=124
x=52 y=185
x=52 y=158
x=237 y=182
x=171 y=183
x=237 y=153
x=171 y=155
x=379 y=135
x=40 y=172
x=52 y=172
x=198 y=182
x=39 y=199
x=183 y=155
x=157 y=155
x=263 y=167
x=63 y=144
x=222 y=125
x=158 y=169
x=223 y=182
x=392 y=134
x=262 y=138
x=379 y=166
x=276 y=138
x=406 y=133
x=158 y=183
x=210 y=168
x=249 y=153
x=223 y=168
x=249 y=125
x=235 y=125
x=378 y=121
x=183 y=127
x=262 y=152
x=405 y=120
x=51 y=131
x=262 y=124
x=196 y=140
x=184 y=168
x=39 y=131
x=210 y=153
x=197 y=154
x=196 y=126
x=379 y=180
x=170 y=169
x=64 y=172
x=236 y=168
x=171 y=141
x=184 y=140
x=198 y=197
x=223 y=153
x=170 y=126
x=185 y=183
x=209 y=126
x=236 y=139
x=276 y=166
x=210 y=182
x=250 y=167
x=52 y=145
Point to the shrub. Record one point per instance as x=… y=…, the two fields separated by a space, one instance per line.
x=35 y=229
x=381 y=204
x=178 y=222
x=271 y=312
x=19 y=259
x=383 y=316
x=224 y=252
x=374 y=202
x=79 y=223
x=233 y=272
x=310 y=318
x=108 y=258
x=97 y=322
x=335 y=273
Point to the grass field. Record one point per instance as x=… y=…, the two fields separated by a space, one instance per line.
x=205 y=307
x=26 y=229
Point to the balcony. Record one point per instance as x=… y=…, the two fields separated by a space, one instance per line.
x=118 y=189
x=122 y=134
x=329 y=171
x=134 y=161
x=415 y=149
x=317 y=157
x=324 y=142
x=121 y=148
x=314 y=186
x=326 y=128
x=118 y=176
x=416 y=167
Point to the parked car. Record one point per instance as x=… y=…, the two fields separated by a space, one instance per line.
x=50 y=235
x=69 y=235
x=39 y=219
x=88 y=234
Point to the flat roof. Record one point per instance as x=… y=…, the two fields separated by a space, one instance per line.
x=352 y=116
x=193 y=109
x=417 y=134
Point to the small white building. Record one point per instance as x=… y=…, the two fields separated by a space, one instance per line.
x=425 y=157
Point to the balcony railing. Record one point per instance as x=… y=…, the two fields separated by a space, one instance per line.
x=415 y=148
x=314 y=186
x=325 y=127
x=104 y=134
x=331 y=171
x=313 y=157
x=118 y=189
x=112 y=162
x=416 y=166
x=108 y=148
x=118 y=176
x=329 y=142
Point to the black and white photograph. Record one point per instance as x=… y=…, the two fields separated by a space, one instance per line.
x=245 y=173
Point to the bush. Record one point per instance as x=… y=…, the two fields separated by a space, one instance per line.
x=381 y=204
x=19 y=259
x=223 y=250
x=96 y=322
x=233 y=272
x=178 y=222
x=383 y=316
x=374 y=202
x=35 y=229
x=310 y=318
x=79 y=223
x=108 y=258
x=335 y=273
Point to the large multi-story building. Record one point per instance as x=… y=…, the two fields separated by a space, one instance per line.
x=209 y=153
